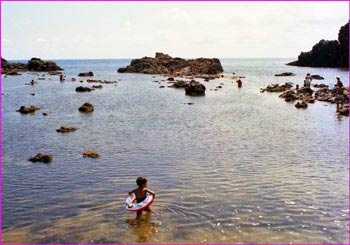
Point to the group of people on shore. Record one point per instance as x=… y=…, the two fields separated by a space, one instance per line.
x=338 y=90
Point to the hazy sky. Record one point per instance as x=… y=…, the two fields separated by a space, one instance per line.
x=63 y=30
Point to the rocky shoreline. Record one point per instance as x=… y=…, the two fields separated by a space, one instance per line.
x=306 y=95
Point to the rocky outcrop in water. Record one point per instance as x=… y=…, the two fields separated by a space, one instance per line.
x=86 y=74
x=12 y=69
x=327 y=53
x=28 y=110
x=101 y=81
x=276 y=88
x=35 y=64
x=301 y=105
x=41 y=158
x=166 y=65
x=86 y=107
x=317 y=77
x=91 y=154
x=195 y=89
x=65 y=129
x=83 y=89
x=285 y=74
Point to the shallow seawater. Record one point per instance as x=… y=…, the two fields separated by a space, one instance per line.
x=237 y=166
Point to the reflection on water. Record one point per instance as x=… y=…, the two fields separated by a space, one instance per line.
x=237 y=166
x=142 y=227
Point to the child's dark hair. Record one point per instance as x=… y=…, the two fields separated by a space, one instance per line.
x=141 y=181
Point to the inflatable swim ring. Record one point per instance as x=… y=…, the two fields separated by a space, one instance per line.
x=131 y=204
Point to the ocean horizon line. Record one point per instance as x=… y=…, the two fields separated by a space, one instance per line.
x=247 y=58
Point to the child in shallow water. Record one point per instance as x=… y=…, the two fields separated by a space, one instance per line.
x=141 y=192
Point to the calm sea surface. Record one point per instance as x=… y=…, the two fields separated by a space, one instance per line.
x=237 y=166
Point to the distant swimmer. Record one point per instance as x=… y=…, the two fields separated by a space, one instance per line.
x=239 y=83
x=62 y=78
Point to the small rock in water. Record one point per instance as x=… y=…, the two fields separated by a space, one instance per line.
x=41 y=158
x=86 y=107
x=97 y=86
x=90 y=153
x=195 y=89
x=302 y=105
x=83 y=89
x=26 y=110
x=65 y=129
x=86 y=74
x=44 y=114
x=285 y=74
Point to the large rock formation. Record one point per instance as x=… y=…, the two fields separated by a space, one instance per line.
x=12 y=68
x=35 y=64
x=326 y=53
x=167 y=65
x=343 y=38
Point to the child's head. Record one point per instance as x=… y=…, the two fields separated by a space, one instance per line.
x=141 y=181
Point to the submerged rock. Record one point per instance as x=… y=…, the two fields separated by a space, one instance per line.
x=86 y=107
x=285 y=74
x=54 y=73
x=65 y=129
x=90 y=153
x=100 y=81
x=41 y=158
x=180 y=84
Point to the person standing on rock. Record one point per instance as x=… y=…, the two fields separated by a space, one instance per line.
x=339 y=94
x=307 y=81
x=339 y=83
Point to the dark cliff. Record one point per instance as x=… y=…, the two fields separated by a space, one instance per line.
x=327 y=53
